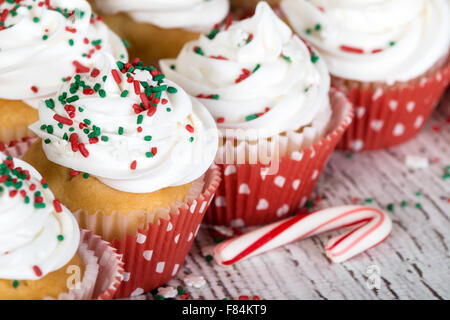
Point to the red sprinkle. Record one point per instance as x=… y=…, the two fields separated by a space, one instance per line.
x=95 y=72
x=151 y=111
x=220 y=120
x=57 y=205
x=62 y=120
x=79 y=68
x=189 y=128
x=184 y=296
x=116 y=76
x=74 y=141
x=84 y=152
x=34 y=89
x=133 y=165
x=351 y=49
x=37 y=271
x=73 y=173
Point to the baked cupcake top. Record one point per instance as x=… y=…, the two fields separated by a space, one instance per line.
x=37 y=234
x=196 y=15
x=374 y=40
x=42 y=43
x=128 y=126
x=253 y=74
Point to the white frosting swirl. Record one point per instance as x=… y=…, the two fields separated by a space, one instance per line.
x=374 y=40
x=195 y=15
x=39 y=45
x=170 y=141
x=255 y=75
x=37 y=237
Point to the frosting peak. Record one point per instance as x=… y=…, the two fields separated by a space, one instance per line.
x=128 y=126
x=41 y=43
x=37 y=234
x=253 y=74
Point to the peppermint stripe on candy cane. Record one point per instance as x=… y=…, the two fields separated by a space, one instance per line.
x=370 y=227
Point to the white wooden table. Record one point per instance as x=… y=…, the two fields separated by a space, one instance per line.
x=414 y=262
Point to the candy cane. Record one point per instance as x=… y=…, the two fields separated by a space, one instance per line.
x=370 y=227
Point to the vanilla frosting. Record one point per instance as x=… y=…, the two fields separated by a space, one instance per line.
x=37 y=234
x=135 y=131
x=41 y=44
x=253 y=74
x=374 y=40
x=194 y=15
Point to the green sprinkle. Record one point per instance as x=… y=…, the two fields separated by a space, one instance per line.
x=251 y=117
x=314 y=57
x=85 y=175
x=209 y=258
x=288 y=59
x=256 y=68
x=369 y=200
x=60 y=237
x=125 y=43
x=40 y=205
x=317 y=27
x=15 y=284
x=140 y=118
x=392 y=43
x=212 y=34
x=35 y=19
x=172 y=90
x=404 y=204
x=50 y=103
x=308 y=31
x=102 y=93
x=120 y=130
x=390 y=207
x=148 y=138
x=191 y=139
x=124 y=93
x=73 y=99
x=71 y=42
x=149 y=155
x=418 y=206
x=45 y=37
x=47 y=141
x=104 y=138
x=199 y=51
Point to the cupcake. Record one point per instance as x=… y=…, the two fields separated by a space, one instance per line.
x=389 y=57
x=129 y=152
x=158 y=28
x=270 y=98
x=40 y=252
x=42 y=43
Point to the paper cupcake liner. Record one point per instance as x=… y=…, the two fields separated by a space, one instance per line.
x=111 y=270
x=154 y=255
x=249 y=196
x=103 y=270
x=10 y=137
x=388 y=116
x=17 y=149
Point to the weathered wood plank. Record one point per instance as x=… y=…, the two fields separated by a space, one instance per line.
x=414 y=262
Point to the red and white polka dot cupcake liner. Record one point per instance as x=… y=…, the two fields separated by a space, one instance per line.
x=249 y=196
x=154 y=256
x=385 y=117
